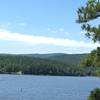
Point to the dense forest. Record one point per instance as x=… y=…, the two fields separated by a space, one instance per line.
x=42 y=66
x=72 y=59
x=89 y=12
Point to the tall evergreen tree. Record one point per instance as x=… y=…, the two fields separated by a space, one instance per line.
x=88 y=13
x=95 y=94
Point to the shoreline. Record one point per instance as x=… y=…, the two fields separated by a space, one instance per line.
x=46 y=75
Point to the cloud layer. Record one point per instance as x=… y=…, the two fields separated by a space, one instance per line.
x=42 y=40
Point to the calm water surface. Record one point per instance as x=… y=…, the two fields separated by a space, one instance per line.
x=28 y=87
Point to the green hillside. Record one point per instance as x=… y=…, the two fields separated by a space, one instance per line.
x=45 y=64
x=72 y=59
x=30 y=65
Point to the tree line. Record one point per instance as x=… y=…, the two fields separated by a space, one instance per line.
x=87 y=13
x=37 y=66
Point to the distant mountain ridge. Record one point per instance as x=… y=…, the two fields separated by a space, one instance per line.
x=60 y=57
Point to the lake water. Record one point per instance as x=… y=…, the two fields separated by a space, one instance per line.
x=29 y=87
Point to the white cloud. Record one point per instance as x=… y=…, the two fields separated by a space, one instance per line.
x=60 y=30
x=9 y=23
x=48 y=29
x=35 y=40
x=54 y=31
x=22 y=24
x=6 y=25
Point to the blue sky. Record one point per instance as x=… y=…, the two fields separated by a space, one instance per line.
x=41 y=26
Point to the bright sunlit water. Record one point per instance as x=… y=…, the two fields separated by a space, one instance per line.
x=29 y=87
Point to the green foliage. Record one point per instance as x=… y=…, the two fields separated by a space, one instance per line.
x=92 y=60
x=30 y=65
x=71 y=59
x=95 y=94
x=97 y=72
x=85 y=14
x=89 y=60
x=37 y=66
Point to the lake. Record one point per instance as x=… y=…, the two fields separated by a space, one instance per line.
x=30 y=87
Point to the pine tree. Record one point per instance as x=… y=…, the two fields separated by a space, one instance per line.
x=89 y=13
x=86 y=14
x=95 y=94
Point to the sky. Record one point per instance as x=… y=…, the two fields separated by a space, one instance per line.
x=42 y=26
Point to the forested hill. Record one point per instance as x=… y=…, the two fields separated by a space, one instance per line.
x=72 y=59
x=43 y=64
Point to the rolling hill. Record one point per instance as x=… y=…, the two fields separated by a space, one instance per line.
x=44 y=64
x=61 y=57
x=72 y=59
